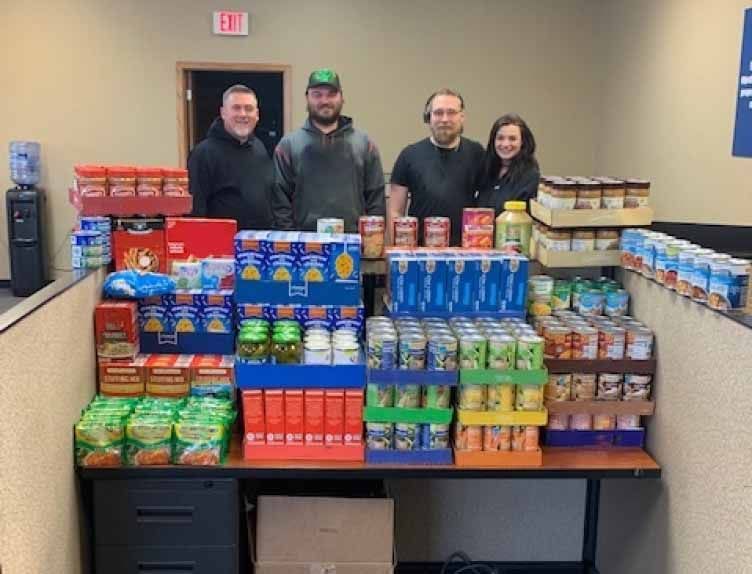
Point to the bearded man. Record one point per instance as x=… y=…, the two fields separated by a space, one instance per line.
x=327 y=168
x=439 y=172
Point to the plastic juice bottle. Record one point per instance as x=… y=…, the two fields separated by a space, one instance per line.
x=514 y=227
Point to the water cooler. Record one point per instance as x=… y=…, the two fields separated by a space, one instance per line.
x=24 y=207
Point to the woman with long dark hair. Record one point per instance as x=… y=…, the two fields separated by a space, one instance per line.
x=509 y=171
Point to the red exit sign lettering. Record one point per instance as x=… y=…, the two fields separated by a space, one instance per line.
x=230 y=23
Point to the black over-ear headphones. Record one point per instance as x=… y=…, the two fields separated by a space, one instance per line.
x=429 y=101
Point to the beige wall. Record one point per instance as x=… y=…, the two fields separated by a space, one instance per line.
x=669 y=74
x=696 y=519
x=96 y=82
x=46 y=381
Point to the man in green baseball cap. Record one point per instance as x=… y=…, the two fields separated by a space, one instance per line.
x=327 y=168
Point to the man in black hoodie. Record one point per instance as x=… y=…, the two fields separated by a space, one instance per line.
x=327 y=168
x=230 y=171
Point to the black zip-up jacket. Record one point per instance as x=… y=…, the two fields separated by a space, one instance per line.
x=231 y=180
x=321 y=175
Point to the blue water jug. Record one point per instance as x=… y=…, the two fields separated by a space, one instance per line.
x=24 y=162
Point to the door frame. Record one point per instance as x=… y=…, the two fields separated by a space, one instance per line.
x=183 y=69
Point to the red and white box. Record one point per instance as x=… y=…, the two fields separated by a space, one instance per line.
x=314 y=417
x=168 y=375
x=334 y=425
x=353 y=417
x=253 y=417
x=294 y=417
x=274 y=416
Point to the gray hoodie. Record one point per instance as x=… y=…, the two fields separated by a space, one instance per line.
x=321 y=175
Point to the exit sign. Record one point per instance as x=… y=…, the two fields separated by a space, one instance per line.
x=230 y=23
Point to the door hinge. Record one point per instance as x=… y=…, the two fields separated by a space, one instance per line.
x=188 y=95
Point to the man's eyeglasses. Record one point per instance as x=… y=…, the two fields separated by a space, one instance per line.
x=439 y=113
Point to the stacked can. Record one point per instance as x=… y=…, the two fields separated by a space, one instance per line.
x=104 y=226
x=86 y=250
x=409 y=344
x=507 y=345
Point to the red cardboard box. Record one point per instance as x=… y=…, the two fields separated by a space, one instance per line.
x=168 y=375
x=122 y=378
x=139 y=244
x=314 y=417
x=274 y=411
x=253 y=417
x=353 y=417
x=212 y=371
x=116 y=329
x=334 y=425
x=294 y=417
x=190 y=238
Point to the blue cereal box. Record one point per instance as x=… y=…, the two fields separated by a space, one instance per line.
x=311 y=258
x=218 y=274
x=216 y=312
x=404 y=282
x=185 y=313
x=348 y=317
x=489 y=282
x=344 y=257
x=250 y=256
x=274 y=313
x=153 y=314
x=279 y=257
x=315 y=316
x=462 y=280
x=513 y=292
x=433 y=276
x=245 y=311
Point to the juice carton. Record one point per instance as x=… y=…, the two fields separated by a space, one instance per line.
x=274 y=416
x=254 y=426
x=314 y=417
x=334 y=425
x=353 y=417
x=294 y=417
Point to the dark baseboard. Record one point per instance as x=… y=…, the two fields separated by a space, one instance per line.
x=499 y=567
x=735 y=240
x=4 y=283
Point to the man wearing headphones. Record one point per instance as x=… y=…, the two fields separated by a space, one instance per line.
x=439 y=172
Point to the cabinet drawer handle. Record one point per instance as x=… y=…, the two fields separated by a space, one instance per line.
x=164 y=514
x=166 y=567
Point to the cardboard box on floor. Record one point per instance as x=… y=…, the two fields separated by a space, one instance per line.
x=307 y=535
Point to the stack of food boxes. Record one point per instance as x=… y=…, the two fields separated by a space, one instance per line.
x=455 y=281
x=299 y=360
